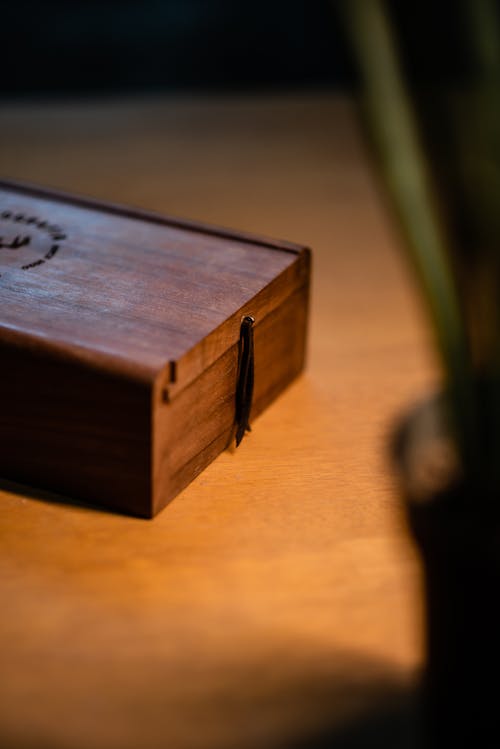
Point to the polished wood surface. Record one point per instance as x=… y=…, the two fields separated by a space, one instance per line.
x=125 y=287
x=277 y=598
x=117 y=312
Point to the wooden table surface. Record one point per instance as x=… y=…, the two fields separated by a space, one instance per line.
x=276 y=600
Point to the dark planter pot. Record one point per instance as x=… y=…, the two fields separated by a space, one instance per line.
x=455 y=525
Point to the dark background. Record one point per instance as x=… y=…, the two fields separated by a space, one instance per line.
x=73 y=46
x=78 y=45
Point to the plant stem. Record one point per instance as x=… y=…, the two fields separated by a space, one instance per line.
x=393 y=125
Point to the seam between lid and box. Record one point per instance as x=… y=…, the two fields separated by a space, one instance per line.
x=170 y=388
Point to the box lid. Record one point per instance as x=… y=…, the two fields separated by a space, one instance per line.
x=128 y=290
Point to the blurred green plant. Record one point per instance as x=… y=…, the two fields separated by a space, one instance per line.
x=438 y=151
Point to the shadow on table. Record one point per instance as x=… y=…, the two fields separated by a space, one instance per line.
x=289 y=701
x=26 y=491
x=393 y=722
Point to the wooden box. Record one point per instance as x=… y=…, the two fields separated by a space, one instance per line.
x=126 y=344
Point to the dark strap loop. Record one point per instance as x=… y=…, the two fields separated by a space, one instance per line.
x=244 y=388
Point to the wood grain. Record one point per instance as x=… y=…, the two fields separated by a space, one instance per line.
x=277 y=598
x=123 y=287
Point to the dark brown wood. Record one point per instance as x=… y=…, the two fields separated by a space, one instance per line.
x=119 y=338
